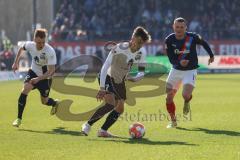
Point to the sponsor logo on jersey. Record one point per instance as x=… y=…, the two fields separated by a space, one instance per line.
x=138 y=56
x=176 y=51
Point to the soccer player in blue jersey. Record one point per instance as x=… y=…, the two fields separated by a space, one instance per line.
x=181 y=51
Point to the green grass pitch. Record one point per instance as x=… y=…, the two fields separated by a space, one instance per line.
x=212 y=131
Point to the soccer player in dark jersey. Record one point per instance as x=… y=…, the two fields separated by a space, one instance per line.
x=39 y=75
x=182 y=54
x=112 y=80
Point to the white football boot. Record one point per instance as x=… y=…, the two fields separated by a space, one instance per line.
x=17 y=122
x=105 y=134
x=86 y=129
x=172 y=124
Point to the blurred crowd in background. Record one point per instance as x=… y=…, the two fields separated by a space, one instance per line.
x=114 y=19
x=96 y=20
x=6 y=54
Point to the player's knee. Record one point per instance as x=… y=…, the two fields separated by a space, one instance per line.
x=169 y=100
x=168 y=90
x=120 y=108
x=186 y=96
x=109 y=99
x=24 y=91
x=44 y=101
x=27 y=88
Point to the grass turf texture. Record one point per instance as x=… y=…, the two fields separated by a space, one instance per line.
x=213 y=132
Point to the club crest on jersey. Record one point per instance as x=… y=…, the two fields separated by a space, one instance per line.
x=36 y=59
x=43 y=56
x=41 y=60
x=138 y=56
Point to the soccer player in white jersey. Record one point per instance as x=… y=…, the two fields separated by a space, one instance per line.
x=112 y=80
x=39 y=75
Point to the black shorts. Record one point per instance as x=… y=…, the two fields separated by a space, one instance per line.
x=43 y=86
x=118 y=89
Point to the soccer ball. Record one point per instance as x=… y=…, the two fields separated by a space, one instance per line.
x=136 y=130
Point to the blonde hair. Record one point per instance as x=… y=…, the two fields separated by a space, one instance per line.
x=41 y=33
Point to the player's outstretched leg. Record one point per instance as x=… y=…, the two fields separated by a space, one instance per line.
x=100 y=112
x=21 y=103
x=111 y=119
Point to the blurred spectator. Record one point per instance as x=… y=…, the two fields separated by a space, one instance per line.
x=81 y=35
x=113 y=19
x=3 y=66
x=58 y=55
x=6 y=54
x=8 y=58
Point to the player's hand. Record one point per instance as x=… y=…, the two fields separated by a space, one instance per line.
x=15 y=67
x=138 y=77
x=34 y=80
x=100 y=95
x=211 y=60
x=132 y=79
x=184 y=62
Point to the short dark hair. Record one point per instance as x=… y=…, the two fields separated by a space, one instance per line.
x=143 y=33
x=40 y=32
x=180 y=19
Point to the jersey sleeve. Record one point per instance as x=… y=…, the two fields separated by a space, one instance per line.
x=105 y=67
x=27 y=46
x=52 y=60
x=201 y=41
x=198 y=38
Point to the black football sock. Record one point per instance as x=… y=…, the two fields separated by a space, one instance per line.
x=51 y=102
x=100 y=113
x=111 y=119
x=21 y=104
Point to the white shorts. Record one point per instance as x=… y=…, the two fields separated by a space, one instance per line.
x=176 y=77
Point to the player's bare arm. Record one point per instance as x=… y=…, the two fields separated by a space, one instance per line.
x=209 y=51
x=16 y=61
x=48 y=74
x=207 y=48
x=138 y=77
